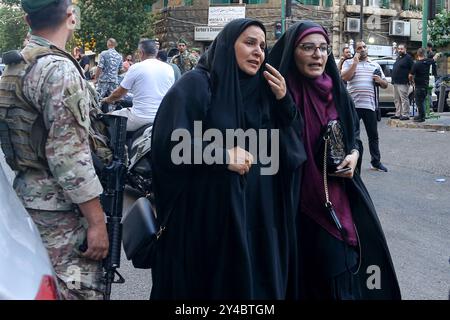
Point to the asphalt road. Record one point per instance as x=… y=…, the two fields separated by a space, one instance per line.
x=413 y=208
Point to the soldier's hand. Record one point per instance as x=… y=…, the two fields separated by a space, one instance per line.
x=98 y=243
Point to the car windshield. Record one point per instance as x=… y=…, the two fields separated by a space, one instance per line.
x=387 y=69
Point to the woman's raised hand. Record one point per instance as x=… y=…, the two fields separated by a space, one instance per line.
x=276 y=81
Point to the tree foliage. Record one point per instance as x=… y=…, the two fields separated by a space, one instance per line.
x=124 y=20
x=439 y=29
x=13 y=27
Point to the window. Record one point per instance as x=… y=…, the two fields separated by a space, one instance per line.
x=387 y=68
x=237 y=1
x=385 y=4
x=309 y=2
x=440 y=5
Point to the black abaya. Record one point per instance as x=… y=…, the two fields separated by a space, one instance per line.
x=326 y=262
x=229 y=236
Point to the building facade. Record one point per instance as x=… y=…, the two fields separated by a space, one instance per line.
x=385 y=24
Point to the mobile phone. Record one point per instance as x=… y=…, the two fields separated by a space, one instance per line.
x=342 y=170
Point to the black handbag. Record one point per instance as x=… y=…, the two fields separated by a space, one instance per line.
x=331 y=147
x=140 y=234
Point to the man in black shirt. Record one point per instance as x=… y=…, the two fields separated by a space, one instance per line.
x=400 y=72
x=84 y=63
x=420 y=75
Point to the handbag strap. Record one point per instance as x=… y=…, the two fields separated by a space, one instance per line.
x=328 y=203
x=163 y=225
x=330 y=207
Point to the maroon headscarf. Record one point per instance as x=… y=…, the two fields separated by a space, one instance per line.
x=314 y=98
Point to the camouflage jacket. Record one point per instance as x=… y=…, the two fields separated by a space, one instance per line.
x=110 y=62
x=51 y=85
x=185 y=61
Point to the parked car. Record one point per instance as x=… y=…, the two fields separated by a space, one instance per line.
x=438 y=92
x=2 y=67
x=386 y=102
x=26 y=272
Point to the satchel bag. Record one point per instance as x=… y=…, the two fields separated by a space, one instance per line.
x=140 y=234
x=332 y=146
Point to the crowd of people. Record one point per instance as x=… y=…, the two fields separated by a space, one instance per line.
x=298 y=232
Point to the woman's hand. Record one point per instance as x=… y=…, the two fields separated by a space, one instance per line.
x=240 y=160
x=350 y=161
x=276 y=81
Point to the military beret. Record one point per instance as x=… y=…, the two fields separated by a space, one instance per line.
x=31 y=6
x=181 y=40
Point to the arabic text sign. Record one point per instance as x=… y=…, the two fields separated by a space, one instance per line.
x=220 y=16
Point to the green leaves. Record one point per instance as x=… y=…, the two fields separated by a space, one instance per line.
x=13 y=27
x=439 y=29
x=124 y=20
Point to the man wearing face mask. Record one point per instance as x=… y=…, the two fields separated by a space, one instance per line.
x=360 y=77
x=400 y=80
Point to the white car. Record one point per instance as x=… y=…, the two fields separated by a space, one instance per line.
x=26 y=272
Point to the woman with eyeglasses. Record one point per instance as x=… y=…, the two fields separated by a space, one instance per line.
x=343 y=253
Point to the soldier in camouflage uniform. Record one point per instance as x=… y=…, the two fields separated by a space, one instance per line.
x=109 y=65
x=44 y=133
x=184 y=60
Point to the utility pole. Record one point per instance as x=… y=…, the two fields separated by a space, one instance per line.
x=361 y=21
x=425 y=23
x=283 y=16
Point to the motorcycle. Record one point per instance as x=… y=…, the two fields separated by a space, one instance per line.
x=138 y=143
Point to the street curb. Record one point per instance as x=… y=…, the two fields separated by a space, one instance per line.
x=417 y=125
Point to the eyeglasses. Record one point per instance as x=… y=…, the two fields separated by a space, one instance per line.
x=310 y=48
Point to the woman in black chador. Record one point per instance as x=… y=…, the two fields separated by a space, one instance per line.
x=352 y=262
x=231 y=229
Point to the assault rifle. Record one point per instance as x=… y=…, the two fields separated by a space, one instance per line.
x=113 y=181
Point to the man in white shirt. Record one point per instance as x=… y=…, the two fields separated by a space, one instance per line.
x=148 y=81
x=359 y=74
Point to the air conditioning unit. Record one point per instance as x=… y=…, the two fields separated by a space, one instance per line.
x=352 y=25
x=399 y=28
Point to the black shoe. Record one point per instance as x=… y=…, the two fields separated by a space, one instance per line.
x=419 y=119
x=395 y=117
x=379 y=167
x=404 y=118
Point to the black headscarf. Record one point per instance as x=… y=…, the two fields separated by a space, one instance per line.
x=282 y=58
x=209 y=249
x=231 y=88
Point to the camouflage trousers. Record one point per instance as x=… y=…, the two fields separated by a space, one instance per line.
x=62 y=232
x=104 y=89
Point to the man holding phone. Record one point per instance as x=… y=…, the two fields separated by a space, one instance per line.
x=360 y=77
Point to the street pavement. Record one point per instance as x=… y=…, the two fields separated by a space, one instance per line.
x=414 y=207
